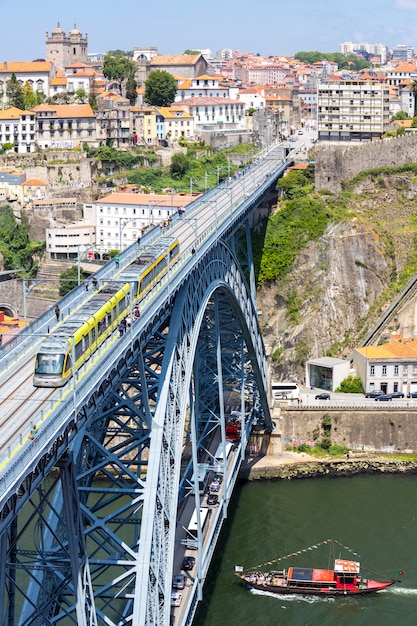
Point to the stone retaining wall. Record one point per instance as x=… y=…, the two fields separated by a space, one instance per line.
x=338 y=162
x=374 y=429
x=329 y=469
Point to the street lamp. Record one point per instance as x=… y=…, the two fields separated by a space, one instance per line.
x=87 y=248
x=194 y=224
x=28 y=288
x=213 y=204
x=126 y=221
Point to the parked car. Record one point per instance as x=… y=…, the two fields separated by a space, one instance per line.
x=178 y=581
x=212 y=498
x=176 y=598
x=215 y=487
x=384 y=397
x=412 y=394
x=322 y=396
x=397 y=394
x=374 y=393
x=188 y=563
x=218 y=478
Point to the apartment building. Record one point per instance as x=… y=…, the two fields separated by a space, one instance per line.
x=174 y=123
x=113 y=120
x=215 y=113
x=37 y=73
x=65 y=125
x=352 y=110
x=121 y=217
x=18 y=127
x=391 y=366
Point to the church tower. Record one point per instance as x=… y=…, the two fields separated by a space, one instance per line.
x=63 y=49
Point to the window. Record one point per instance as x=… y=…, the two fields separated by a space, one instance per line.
x=372 y=370
x=396 y=368
x=384 y=370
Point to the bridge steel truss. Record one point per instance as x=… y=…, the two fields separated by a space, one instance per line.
x=89 y=537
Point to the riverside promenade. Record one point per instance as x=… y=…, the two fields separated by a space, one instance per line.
x=267 y=459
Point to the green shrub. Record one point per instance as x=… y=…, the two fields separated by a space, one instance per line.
x=351 y=384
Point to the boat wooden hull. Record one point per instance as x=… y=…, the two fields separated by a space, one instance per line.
x=370 y=586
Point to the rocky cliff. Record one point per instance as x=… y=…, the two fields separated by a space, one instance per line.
x=343 y=280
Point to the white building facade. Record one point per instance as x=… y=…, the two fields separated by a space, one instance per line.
x=352 y=110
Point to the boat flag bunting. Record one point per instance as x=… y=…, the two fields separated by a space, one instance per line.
x=313 y=547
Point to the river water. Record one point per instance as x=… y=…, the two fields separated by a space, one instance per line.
x=375 y=516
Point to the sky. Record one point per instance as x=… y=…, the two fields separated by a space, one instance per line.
x=267 y=27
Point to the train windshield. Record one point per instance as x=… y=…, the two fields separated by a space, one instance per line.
x=49 y=363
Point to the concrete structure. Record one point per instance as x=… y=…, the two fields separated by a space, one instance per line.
x=120 y=218
x=38 y=74
x=401 y=74
x=214 y=113
x=174 y=123
x=336 y=163
x=63 y=49
x=70 y=242
x=206 y=85
x=18 y=127
x=10 y=183
x=375 y=49
x=65 y=125
x=390 y=367
x=113 y=120
x=32 y=190
x=326 y=373
x=352 y=110
x=184 y=65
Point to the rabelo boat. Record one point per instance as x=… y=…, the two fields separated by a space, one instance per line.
x=345 y=579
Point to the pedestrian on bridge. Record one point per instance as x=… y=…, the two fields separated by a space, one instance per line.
x=57 y=312
x=95 y=282
x=117 y=260
x=33 y=432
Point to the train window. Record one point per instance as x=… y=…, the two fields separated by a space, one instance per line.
x=49 y=363
x=78 y=349
x=93 y=335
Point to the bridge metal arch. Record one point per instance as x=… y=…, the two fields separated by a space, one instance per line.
x=218 y=273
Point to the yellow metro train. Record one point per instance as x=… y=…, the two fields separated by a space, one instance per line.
x=81 y=334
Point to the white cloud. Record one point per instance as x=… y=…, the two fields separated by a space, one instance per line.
x=406 y=5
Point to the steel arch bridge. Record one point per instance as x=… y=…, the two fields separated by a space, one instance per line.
x=98 y=523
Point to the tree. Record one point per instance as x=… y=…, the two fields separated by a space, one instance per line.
x=29 y=96
x=117 y=67
x=14 y=93
x=179 y=164
x=81 y=96
x=401 y=115
x=160 y=89
x=192 y=52
x=413 y=89
x=131 y=85
x=68 y=280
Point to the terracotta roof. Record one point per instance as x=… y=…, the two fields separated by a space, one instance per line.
x=176 y=59
x=67 y=110
x=206 y=101
x=174 y=113
x=59 y=81
x=13 y=113
x=145 y=199
x=78 y=64
x=393 y=349
x=32 y=182
x=406 y=67
x=32 y=67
